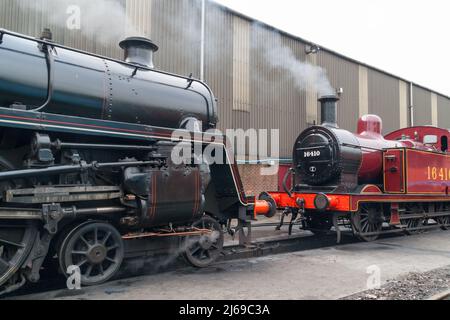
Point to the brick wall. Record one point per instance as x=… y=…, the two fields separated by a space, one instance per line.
x=254 y=182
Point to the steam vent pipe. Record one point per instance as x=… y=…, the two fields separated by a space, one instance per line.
x=328 y=106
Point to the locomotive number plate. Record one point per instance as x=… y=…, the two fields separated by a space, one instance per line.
x=311 y=154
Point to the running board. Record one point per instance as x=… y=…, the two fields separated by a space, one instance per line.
x=60 y=194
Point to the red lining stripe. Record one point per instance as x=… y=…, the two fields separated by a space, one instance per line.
x=196 y=200
x=41 y=121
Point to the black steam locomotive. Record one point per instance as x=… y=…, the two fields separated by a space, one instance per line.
x=86 y=173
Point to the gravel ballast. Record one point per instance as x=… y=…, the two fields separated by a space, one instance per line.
x=413 y=286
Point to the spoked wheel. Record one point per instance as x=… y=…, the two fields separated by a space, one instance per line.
x=367 y=223
x=16 y=242
x=411 y=224
x=96 y=248
x=202 y=251
x=444 y=222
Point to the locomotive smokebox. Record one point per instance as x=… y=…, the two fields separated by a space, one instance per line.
x=139 y=51
x=328 y=106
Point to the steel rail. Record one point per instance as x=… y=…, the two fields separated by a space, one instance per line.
x=441 y=296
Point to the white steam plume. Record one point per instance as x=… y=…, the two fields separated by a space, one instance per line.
x=107 y=19
x=306 y=76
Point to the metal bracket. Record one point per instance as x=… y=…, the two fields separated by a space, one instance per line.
x=245 y=239
x=338 y=229
x=48 y=50
x=293 y=219
x=290 y=172
x=285 y=213
x=190 y=81
x=52 y=214
x=37 y=257
x=243 y=213
x=41 y=149
x=296 y=212
x=135 y=72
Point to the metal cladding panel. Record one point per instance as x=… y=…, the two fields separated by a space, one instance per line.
x=276 y=102
x=403 y=92
x=443 y=112
x=176 y=28
x=343 y=74
x=219 y=60
x=174 y=25
x=32 y=16
x=422 y=107
x=27 y=17
x=139 y=12
x=241 y=64
x=384 y=99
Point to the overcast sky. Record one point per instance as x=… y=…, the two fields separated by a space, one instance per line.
x=409 y=38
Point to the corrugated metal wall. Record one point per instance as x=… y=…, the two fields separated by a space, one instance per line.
x=403 y=91
x=276 y=103
x=219 y=60
x=343 y=74
x=422 y=107
x=32 y=16
x=241 y=64
x=443 y=112
x=176 y=29
x=140 y=12
x=251 y=93
x=384 y=99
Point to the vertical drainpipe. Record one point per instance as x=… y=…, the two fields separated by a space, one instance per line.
x=202 y=42
x=411 y=102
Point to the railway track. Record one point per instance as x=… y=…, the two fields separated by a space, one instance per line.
x=263 y=245
x=134 y=267
x=441 y=296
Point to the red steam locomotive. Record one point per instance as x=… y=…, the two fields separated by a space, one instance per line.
x=369 y=183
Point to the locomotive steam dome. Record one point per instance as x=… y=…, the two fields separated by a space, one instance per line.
x=370 y=124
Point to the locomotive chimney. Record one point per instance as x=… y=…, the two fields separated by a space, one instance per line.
x=139 y=51
x=328 y=106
